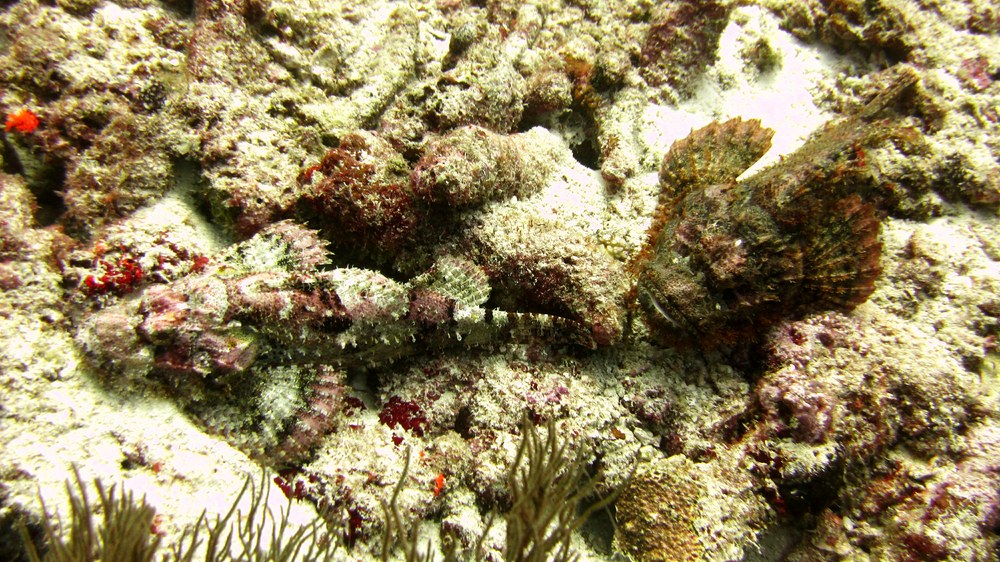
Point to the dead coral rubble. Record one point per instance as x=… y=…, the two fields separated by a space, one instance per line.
x=874 y=27
x=900 y=419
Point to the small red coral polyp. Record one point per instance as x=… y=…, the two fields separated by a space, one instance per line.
x=406 y=415
x=352 y=405
x=198 y=264
x=292 y=489
x=22 y=121
x=119 y=278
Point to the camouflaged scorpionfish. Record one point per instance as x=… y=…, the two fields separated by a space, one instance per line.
x=257 y=343
x=725 y=259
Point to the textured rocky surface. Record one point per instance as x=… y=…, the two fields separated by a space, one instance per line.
x=748 y=249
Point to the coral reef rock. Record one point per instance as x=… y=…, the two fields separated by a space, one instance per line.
x=675 y=509
x=681 y=39
x=471 y=165
x=359 y=241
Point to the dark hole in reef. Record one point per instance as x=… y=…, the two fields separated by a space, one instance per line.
x=897 y=51
x=758 y=360
x=531 y=119
x=11 y=545
x=573 y=125
x=182 y=8
x=187 y=175
x=189 y=182
x=671 y=443
x=258 y=19
x=11 y=163
x=788 y=419
x=94 y=121
x=735 y=427
x=810 y=498
x=605 y=83
x=599 y=528
x=203 y=207
x=463 y=423
x=50 y=207
x=335 y=324
x=586 y=153
x=283 y=107
x=368 y=382
x=44 y=181
x=568 y=124
x=329 y=141
x=50 y=84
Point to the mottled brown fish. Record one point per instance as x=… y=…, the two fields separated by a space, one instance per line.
x=725 y=259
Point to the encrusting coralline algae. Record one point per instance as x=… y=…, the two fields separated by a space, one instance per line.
x=339 y=235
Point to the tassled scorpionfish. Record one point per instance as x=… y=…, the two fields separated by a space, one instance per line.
x=725 y=258
x=257 y=343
